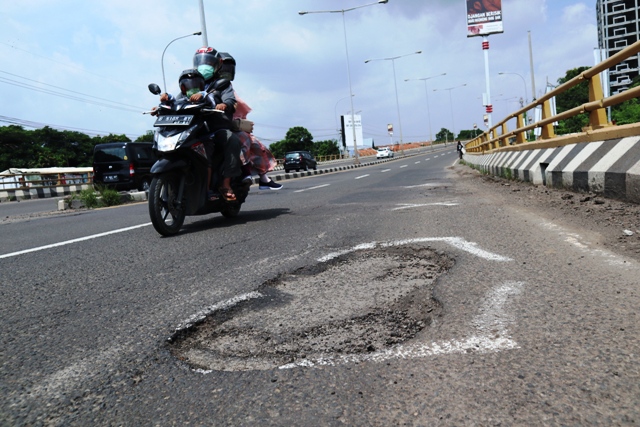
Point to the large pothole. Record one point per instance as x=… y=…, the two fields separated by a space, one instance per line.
x=361 y=302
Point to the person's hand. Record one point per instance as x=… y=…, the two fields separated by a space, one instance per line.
x=221 y=107
x=154 y=111
x=196 y=97
x=164 y=97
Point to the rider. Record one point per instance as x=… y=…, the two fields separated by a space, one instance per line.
x=224 y=149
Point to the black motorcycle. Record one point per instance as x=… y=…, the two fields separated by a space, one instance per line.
x=179 y=184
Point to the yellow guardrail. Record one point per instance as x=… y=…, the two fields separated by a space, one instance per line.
x=599 y=128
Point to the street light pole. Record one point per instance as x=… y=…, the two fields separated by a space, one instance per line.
x=203 y=25
x=356 y=160
x=426 y=90
x=395 y=83
x=164 y=80
x=523 y=81
x=453 y=124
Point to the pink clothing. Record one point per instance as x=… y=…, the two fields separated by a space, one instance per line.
x=253 y=151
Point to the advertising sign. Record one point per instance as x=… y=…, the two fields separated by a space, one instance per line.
x=347 y=131
x=484 y=17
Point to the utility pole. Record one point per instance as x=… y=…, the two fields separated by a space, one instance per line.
x=203 y=25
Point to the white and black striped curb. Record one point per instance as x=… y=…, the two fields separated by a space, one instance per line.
x=610 y=168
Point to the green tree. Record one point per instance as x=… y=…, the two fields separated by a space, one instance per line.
x=468 y=134
x=147 y=137
x=628 y=111
x=572 y=98
x=17 y=148
x=296 y=139
x=444 y=135
x=326 y=148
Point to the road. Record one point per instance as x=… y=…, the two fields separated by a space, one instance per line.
x=402 y=293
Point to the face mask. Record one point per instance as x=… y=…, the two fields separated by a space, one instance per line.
x=193 y=91
x=206 y=71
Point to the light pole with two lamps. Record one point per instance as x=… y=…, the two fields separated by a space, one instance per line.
x=395 y=82
x=426 y=90
x=165 y=49
x=346 y=48
x=453 y=125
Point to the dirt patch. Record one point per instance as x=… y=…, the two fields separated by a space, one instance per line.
x=617 y=222
x=362 y=302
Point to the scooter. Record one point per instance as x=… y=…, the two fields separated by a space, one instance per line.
x=179 y=184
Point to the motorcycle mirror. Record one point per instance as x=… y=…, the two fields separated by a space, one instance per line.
x=155 y=89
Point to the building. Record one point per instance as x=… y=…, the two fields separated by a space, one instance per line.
x=619 y=27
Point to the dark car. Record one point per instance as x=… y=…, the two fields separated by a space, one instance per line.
x=299 y=160
x=123 y=165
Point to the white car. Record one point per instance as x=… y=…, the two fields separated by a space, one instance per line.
x=384 y=153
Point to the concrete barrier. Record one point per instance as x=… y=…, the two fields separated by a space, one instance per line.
x=610 y=168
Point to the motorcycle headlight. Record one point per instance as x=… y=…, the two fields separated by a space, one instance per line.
x=170 y=143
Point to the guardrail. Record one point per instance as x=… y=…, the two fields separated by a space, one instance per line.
x=26 y=181
x=598 y=123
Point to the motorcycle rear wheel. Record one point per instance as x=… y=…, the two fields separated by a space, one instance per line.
x=167 y=216
x=231 y=211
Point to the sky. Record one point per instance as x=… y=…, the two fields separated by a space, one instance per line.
x=86 y=65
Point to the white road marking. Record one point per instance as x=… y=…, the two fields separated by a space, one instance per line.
x=428 y=158
x=491 y=336
x=403 y=166
x=418 y=162
x=410 y=206
x=68 y=242
x=385 y=170
x=312 y=188
x=362 y=176
x=457 y=242
x=423 y=185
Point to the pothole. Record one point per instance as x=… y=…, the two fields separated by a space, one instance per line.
x=361 y=302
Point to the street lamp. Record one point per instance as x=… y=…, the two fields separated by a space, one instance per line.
x=453 y=125
x=165 y=49
x=424 y=79
x=346 y=48
x=393 y=63
x=523 y=81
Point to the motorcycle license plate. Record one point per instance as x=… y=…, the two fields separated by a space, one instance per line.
x=182 y=120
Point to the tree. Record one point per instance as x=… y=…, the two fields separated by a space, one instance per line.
x=296 y=139
x=147 y=137
x=572 y=98
x=326 y=148
x=468 y=134
x=628 y=111
x=444 y=135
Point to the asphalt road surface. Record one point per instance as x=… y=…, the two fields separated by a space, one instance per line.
x=403 y=293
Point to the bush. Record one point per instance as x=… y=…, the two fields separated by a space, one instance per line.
x=110 y=197
x=89 y=198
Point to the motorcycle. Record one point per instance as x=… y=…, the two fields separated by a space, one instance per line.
x=179 y=184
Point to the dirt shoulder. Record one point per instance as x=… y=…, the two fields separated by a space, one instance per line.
x=617 y=222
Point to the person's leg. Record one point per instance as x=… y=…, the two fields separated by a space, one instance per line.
x=230 y=162
x=267 y=183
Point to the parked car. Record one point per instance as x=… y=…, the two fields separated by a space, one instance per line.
x=384 y=153
x=299 y=160
x=123 y=165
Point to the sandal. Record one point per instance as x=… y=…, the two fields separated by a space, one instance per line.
x=212 y=196
x=227 y=194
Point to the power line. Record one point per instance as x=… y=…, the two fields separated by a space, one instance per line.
x=38 y=125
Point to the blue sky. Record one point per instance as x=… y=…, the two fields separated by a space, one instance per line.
x=86 y=65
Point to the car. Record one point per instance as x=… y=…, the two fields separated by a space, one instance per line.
x=384 y=153
x=123 y=165
x=299 y=160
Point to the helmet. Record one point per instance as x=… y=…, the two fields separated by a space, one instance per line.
x=206 y=56
x=191 y=80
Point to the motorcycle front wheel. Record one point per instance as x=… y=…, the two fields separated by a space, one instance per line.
x=167 y=215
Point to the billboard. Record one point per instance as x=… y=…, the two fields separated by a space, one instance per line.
x=484 y=17
x=347 y=131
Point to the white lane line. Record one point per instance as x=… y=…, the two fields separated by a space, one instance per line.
x=385 y=170
x=490 y=335
x=423 y=185
x=418 y=162
x=312 y=188
x=403 y=166
x=428 y=158
x=458 y=242
x=410 y=206
x=362 y=176
x=68 y=242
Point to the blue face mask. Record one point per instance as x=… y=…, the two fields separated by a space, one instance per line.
x=206 y=71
